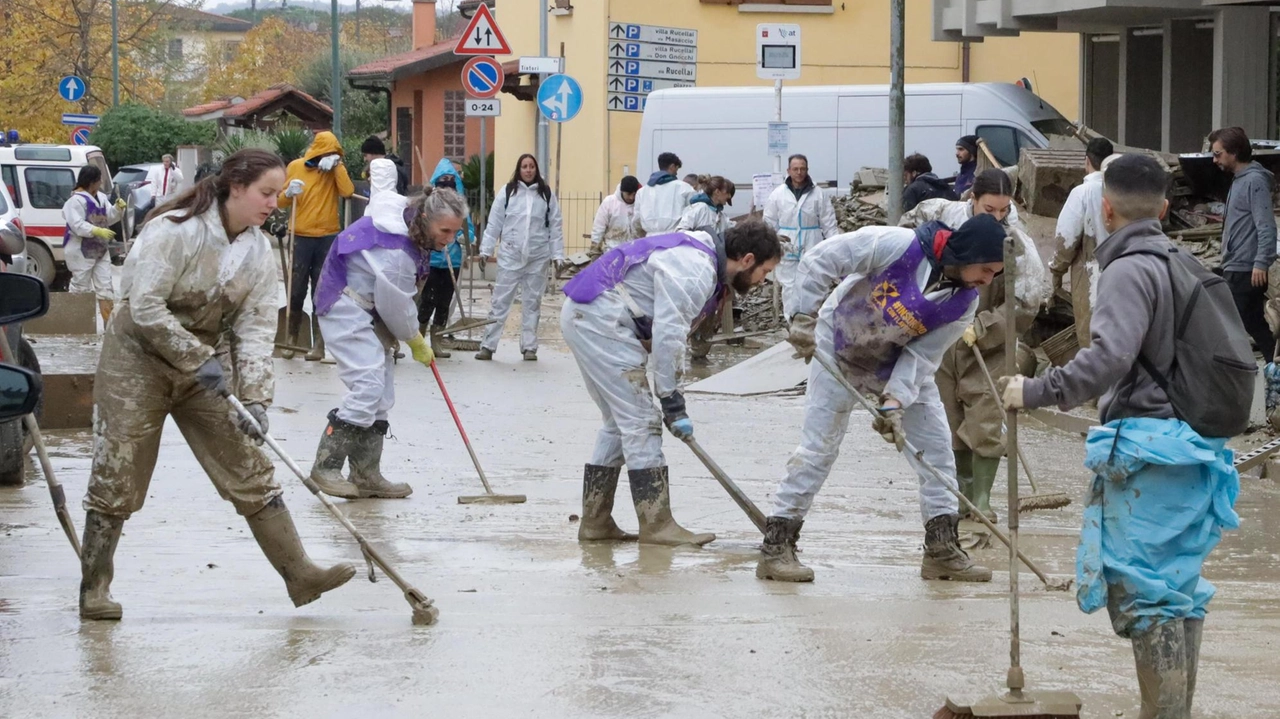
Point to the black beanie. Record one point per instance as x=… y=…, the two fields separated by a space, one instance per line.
x=630 y=184
x=970 y=143
x=373 y=146
x=977 y=241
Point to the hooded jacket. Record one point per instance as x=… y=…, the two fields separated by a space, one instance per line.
x=317 y=206
x=703 y=216
x=465 y=235
x=613 y=223
x=927 y=186
x=660 y=203
x=1249 y=229
x=530 y=227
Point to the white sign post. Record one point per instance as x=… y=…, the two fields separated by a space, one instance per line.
x=777 y=59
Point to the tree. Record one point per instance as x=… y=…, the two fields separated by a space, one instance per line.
x=132 y=133
x=363 y=113
x=274 y=52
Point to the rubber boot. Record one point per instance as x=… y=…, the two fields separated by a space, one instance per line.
x=943 y=557
x=779 y=561
x=1193 y=630
x=984 y=478
x=530 y=355
x=292 y=340
x=317 y=342
x=484 y=354
x=437 y=343
x=599 y=484
x=97 y=566
x=651 y=493
x=1161 y=658
x=366 y=465
x=104 y=308
x=273 y=528
x=335 y=446
x=964 y=473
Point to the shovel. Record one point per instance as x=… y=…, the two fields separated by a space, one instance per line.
x=488 y=497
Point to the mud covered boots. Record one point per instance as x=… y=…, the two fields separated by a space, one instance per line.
x=651 y=493
x=779 y=562
x=437 y=342
x=273 y=528
x=984 y=478
x=1193 y=630
x=1161 y=658
x=943 y=557
x=599 y=484
x=97 y=567
x=366 y=465
x=335 y=446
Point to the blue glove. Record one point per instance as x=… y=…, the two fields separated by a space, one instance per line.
x=682 y=428
x=675 y=417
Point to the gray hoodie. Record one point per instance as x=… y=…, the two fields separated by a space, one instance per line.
x=1249 y=237
x=1133 y=314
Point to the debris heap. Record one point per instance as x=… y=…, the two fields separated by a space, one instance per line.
x=865 y=204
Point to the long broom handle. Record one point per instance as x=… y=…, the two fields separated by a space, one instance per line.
x=1014 y=679
x=456 y=420
x=454 y=281
x=857 y=396
x=753 y=512
x=995 y=394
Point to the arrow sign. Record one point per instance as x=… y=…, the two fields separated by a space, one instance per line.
x=69 y=118
x=618 y=30
x=687 y=72
x=651 y=51
x=482 y=36
x=560 y=98
x=654 y=33
x=619 y=102
x=71 y=88
x=616 y=83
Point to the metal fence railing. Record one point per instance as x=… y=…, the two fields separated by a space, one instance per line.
x=578 y=211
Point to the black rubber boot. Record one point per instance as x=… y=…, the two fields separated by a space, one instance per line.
x=97 y=566
x=335 y=446
x=1161 y=659
x=1193 y=630
x=651 y=493
x=366 y=465
x=317 y=342
x=273 y=528
x=599 y=485
x=779 y=561
x=943 y=557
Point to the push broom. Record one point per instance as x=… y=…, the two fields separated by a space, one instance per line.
x=488 y=497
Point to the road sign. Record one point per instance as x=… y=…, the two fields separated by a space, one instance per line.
x=641 y=85
x=80 y=135
x=482 y=36
x=653 y=33
x=69 y=118
x=483 y=77
x=650 y=51
x=777 y=51
x=541 y=65
x=483 y=108
x=71 y=88
x=656 y=70
x=622 y=102
x=560 y=98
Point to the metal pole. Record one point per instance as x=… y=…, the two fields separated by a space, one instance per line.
x=897 y=107
x=484 y=217
x=1014 y=679
x=544 y=128
x=335 y=87
x=115 y=53
x=777 y=116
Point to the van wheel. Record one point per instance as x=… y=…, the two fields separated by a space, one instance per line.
x=40 y=262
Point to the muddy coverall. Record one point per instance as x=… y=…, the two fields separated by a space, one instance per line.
x=188 y=294
x=1080 y=230
x=532 y=235
x=87 y=257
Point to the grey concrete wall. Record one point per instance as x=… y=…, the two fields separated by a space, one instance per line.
x=1101 y=86
x=1242 y=85
x=1141 y=89
x=1188 y=86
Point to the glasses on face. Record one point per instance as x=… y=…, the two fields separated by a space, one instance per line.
x=1217 y=154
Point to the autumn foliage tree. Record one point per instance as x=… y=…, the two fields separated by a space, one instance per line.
x=274 y=52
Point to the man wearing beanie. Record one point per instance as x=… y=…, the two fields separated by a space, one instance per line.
x=374 y=149
x=904 y=296
x=967 y=156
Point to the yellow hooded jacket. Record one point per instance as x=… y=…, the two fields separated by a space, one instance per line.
x=317 y=206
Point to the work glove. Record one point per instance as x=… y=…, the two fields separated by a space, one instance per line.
x=675 y=417
x=328 y=162
x=1011 y=391
x=211 y=378
x=121 y=204
x=970 y=335
x=102 y=233
x=421 y=350
x=295 y=188
x=259 y=413
x=801 y=336
x=888 y=423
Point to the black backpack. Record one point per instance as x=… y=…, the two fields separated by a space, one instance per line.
x=1211 y=382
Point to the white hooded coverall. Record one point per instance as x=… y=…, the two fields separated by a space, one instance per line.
x=659 y=207
x=672 y=287
x=88 y=275
x=612 y=225
x=854 y=257
x=381 y=280
x=801 y=225
x=704 y=218
x=532 y=237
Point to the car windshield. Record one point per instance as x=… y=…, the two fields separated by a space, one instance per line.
x=130 y=174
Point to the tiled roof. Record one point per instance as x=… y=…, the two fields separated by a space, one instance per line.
x=409 y=63
x=256 y=103
x=207 y=108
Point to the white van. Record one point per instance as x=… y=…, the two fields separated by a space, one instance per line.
x=723 y=130
x=40 y=179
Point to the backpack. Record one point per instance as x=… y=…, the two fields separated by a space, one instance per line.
x=1211 y=381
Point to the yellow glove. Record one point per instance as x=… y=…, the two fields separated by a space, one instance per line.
x=970 y=335
x=421 y=350
x=121 y=204
x=103 y=233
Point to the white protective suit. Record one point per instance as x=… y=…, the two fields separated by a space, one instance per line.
x=855 y=256
x=702 y=217
x=801 y=225
x=382 y=177
x=87 y=275
x=383 y=280
x=1080 y=230
x=165 y=186
x=613 y=222
x=532 y=237
x=671 y=287
x=659 y=207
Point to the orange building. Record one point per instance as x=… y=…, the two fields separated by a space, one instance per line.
x=428 y=102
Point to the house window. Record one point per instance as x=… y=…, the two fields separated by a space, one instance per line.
x=175 y=50
x=455 y=125
x=404 y=132
x=230 y=49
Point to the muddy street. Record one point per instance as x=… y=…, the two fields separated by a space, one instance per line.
x=534 y=624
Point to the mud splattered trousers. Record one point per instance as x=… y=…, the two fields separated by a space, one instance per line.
x=135 y=391
x=976 y=420
x=612 y=362
x=826 y=419
x=530 y=279
x=365 y=364
x=89 y=275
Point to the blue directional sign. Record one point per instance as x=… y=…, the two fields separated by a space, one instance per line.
x=72 y=118
x=71 y=88
x=560 y=98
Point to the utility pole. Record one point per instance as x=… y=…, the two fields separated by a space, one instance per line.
x=115 y=53
x=897 y=108
x=335 y=89
x=544 y=127
x=357 y=22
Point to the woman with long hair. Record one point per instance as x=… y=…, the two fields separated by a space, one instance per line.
x=706 y=209
x=89 y=215
x=196 y=321
x=526 y=218
x=365 y=302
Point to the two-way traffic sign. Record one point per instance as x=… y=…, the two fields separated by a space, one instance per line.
x=482 y=36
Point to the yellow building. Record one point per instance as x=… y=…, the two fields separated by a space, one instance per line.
x=844 y=43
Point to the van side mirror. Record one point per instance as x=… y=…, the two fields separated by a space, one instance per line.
x=12 y=241
x=22 y=297
x=19 y=392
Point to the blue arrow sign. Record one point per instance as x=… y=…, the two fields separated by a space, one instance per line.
x=71 y=88
x=560 y=98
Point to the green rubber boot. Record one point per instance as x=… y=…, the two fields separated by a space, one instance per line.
x=964 y=473
x=984 y=478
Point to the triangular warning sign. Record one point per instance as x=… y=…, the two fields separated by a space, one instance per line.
x=482 y=36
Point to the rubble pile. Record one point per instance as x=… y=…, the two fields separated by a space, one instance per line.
x=756 y=310
x=865 y=204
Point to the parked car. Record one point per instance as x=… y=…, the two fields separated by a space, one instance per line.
x=134 y=178
x=14 y=442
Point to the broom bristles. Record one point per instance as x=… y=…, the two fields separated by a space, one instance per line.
x=946 y=713
x=1042 y=501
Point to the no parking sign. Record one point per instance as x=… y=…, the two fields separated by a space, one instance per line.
x=483 y=77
